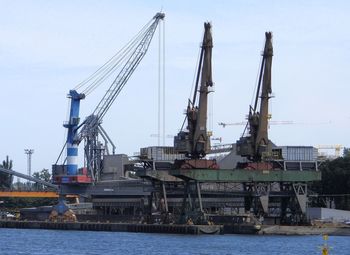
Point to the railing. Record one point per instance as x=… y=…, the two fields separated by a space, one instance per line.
x=221 y=148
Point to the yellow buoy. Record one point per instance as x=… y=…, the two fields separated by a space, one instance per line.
x=325 y=247
x=324 y=251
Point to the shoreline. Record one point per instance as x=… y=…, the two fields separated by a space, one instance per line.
x=115 y=227
x=304 y=230
x=172 y=229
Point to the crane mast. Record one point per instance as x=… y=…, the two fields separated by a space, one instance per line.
x=91 y=128
x=256 y=143
x=195 y=141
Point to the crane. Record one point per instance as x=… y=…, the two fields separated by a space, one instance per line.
x=336 y=147
x=90 y=129
x=194 y=142
x=270 y=122
x=254 y=142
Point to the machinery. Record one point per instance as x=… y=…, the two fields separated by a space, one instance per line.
x=68 y=175
x=91 y=129
x=191 y=190
x=336 y=147
x=270 y=122
x=254 y=144
x=194 y=142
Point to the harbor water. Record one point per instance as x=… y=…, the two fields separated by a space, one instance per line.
x=28 y=241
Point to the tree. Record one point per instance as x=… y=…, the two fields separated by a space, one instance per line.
x=6 y=179
x=7 y=164
x=336 y=181
x=13 y=203
x=45 y=175
x=42 y=175
x=346 y=152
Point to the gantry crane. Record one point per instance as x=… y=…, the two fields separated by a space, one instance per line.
x=255 y=143
x=90 y=129
x=194 y=142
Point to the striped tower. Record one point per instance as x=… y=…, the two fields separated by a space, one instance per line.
x=72 y=159
x=72 y=125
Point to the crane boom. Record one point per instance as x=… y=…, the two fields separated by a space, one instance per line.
x=271 y=122
x=256 y=143
x=262 y=141
x=195 y=142
x=128 y=69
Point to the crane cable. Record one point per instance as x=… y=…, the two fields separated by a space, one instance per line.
x=193 y=82
x=113 y=66
x=111 y=60
x=102 y=73
x=161 y=83
x=164 y=83
x=122 y=78
x=254 y=92
x=256 y=82
x=195 y=71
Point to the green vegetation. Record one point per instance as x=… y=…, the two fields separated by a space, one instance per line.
x=42 y=175
x=336 y=180
x=6 y=179
x=14 y=203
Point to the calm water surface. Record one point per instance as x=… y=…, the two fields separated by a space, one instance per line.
x=26 y=241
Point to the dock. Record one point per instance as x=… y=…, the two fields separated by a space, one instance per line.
x=115 y=227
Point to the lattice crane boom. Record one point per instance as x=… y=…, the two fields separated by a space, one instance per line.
x=127 y=70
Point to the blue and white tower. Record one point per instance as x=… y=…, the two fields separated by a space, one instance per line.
x=72 y=125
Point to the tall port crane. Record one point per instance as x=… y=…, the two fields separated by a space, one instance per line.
x=90 y=129
x=194 y=142
x=255 y=142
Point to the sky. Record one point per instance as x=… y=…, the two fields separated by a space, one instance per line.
x=48 y=47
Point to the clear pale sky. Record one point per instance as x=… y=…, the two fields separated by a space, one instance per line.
x=47 y=47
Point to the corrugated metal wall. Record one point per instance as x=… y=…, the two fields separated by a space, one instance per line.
x=299 y=153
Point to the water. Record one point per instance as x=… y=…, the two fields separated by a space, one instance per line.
x=27 y=241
